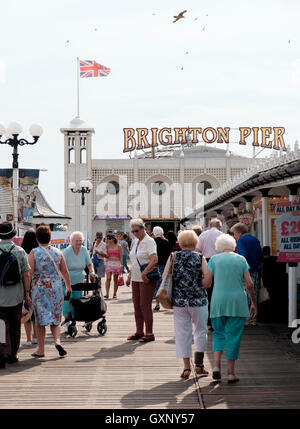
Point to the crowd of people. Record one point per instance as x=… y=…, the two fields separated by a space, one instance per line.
x=215 y=286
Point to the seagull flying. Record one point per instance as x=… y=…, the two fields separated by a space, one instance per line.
x=67 y=41
x=179 y=16
x=203 y=29
x=186 y=53
x=196 y=19
x=182 y=68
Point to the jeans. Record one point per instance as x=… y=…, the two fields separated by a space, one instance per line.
x=125 y=266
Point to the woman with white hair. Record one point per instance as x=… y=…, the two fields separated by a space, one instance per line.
x=229 y=306
x=77 y=258
x=163 y=252
x=143 y=256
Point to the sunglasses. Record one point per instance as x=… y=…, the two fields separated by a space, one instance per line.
x=134 y=231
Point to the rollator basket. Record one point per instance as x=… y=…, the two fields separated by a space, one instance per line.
x=87 y=309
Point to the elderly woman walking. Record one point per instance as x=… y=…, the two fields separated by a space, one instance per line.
x=190 y=303
x=143 y=253
x=77 y=258
x=47 y=265
x=229 y=307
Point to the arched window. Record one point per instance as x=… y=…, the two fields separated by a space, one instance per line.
x=158 y=188
x=112 y=187
x=71 y=156
x=203 y=186
x=83 y=156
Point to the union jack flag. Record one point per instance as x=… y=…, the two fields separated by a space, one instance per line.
x=89 y=68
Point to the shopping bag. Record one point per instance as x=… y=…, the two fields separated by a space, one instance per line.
x=164 y=294
x=263 y=294
x=121 y=281
x=165 y=291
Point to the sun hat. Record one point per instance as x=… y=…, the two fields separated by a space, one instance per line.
x=26 y=313
x=7 y=231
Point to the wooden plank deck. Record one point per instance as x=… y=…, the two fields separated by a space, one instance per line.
x=110 y=372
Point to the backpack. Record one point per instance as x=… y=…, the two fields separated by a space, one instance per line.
x=9 y=268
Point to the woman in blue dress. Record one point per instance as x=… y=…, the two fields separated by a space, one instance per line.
x=77 y=258
x=47 y=267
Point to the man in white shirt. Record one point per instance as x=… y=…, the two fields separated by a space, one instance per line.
x=207 y=239
x=206 y=245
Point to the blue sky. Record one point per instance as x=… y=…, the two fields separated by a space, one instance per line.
x=240 y=71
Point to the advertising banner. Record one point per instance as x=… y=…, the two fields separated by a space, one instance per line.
x=61 y=239
x=288 y=230
x=247 y=218
x=27 y=194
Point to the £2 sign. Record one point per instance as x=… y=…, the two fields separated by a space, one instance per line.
x=288 y=230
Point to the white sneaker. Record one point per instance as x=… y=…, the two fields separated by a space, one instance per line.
x=27 y=344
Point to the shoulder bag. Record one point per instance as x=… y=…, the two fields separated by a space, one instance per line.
x=153 y=275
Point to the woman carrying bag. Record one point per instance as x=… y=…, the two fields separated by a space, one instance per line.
x=190 y=304
x=144 y=278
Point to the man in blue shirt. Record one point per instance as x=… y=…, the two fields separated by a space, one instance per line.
x=249 y=247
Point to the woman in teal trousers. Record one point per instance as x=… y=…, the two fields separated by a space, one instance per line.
x=229 y=307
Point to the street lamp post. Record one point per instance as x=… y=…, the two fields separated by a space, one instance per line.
x=85 y=187
x=12 y=132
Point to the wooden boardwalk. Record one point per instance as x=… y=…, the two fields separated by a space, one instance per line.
x=110 y=372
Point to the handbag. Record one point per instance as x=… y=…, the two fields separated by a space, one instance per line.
x=121 y=281
x=95 y=260
x=153 y=275
x=165 y=291
x=263 y=294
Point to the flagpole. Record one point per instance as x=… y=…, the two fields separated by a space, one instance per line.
x=77 y=87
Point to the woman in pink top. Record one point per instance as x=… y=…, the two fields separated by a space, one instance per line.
x=113 y=263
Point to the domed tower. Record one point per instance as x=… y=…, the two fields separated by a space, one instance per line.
x=78 y=166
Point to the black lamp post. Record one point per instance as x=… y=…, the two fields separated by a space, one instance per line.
x=85 y=187
x=12 y=132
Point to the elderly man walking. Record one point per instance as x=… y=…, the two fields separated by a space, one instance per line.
x=249 y=247
x=206 y=245
x=14 y=286
x=207 y=239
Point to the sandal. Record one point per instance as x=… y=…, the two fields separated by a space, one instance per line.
x=186 y=373
x=200 y=370
x=147 y=338
x=135 y=336
x=37 y=356
x=157 y=307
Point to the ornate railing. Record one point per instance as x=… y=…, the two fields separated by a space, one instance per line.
x=258 y=166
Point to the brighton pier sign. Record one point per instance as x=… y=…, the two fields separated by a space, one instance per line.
x=144 y=138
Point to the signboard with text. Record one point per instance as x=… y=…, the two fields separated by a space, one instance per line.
x=288 y=230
